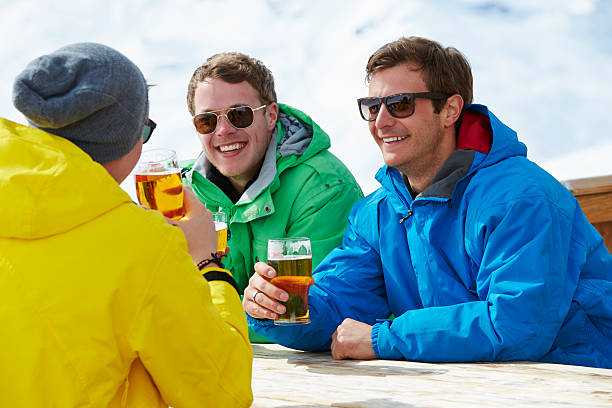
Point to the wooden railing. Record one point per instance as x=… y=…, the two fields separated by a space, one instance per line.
x=595 y=197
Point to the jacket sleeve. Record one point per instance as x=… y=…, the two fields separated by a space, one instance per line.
x=348 y=284
x=191 y=335
x=520 y=252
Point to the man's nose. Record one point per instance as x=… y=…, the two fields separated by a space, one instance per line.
x=384 y=118
x=224 y=126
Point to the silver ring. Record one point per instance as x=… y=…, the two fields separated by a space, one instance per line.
x=257 y=292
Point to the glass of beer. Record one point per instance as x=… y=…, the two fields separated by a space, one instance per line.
x=220 y=220
x=158 y=182
x=292 y=260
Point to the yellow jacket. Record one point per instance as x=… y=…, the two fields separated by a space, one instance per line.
x=101 y=304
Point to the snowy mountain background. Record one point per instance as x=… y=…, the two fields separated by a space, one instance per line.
x=543 y=67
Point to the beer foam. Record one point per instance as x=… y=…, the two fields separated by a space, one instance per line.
x=277 y=257
x=220 y=226
x=153 y=172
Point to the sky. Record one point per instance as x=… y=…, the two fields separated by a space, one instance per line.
x=544 y=68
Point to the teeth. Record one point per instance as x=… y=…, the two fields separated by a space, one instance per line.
x=393 y=139
x=229 y=148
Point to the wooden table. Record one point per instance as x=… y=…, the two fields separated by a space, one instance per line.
x=288 y=378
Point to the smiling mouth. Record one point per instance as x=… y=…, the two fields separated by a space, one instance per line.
x=231 y=147
x=393 y=139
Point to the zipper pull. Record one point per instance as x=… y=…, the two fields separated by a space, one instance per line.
x=406 y=217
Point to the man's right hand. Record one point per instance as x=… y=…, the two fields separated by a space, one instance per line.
x=260 y=296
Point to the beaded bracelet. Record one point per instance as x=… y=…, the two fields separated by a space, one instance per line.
x=215 y=258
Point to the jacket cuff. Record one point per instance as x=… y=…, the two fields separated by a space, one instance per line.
x=375 y=335
x=219 y=274
x=384 y=342
x=258 y=324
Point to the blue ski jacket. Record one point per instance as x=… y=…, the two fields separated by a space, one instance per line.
x=494 y=261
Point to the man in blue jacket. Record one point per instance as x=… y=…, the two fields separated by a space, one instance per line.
x=478 y=253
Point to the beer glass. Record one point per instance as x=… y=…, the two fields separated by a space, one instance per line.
x=292 y=260
x=158 y=182
x=220 y=220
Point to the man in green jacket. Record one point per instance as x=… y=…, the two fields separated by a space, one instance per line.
x=265 y=164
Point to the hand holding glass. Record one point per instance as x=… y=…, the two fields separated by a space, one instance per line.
x=292 y=260
x=158 y=182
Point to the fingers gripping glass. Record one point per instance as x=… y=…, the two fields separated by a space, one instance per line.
x=399 y=105
x=147 y=130
x=240 y=117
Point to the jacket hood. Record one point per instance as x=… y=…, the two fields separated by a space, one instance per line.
x=299 y=135
x=482 y=141
x=505 y=143
x=41 y=184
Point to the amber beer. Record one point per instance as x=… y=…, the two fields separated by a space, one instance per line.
x=294 y=276
x=158 y=182
x=221 y=228
x=162 y=191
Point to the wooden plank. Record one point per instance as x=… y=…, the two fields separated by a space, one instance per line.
x=605 y=229
x=590 y=185
x=596 y=207
x=288 y=378
x=594 y=194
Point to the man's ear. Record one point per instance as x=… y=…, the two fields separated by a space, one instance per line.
x=452 y=110
x=271 y=115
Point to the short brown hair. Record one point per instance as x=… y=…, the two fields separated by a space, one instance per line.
x=234 y=67
x=445 y=70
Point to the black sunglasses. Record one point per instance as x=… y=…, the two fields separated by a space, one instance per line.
x=399 y=105
x=148 y=129
x=240 y=117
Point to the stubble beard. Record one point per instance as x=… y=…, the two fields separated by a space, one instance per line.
x=428 y=160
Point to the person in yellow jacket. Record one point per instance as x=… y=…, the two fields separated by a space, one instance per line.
x=102 y=302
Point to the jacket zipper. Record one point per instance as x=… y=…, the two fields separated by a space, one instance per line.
x=406 y=217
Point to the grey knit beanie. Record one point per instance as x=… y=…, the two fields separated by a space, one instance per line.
x=87 y=93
